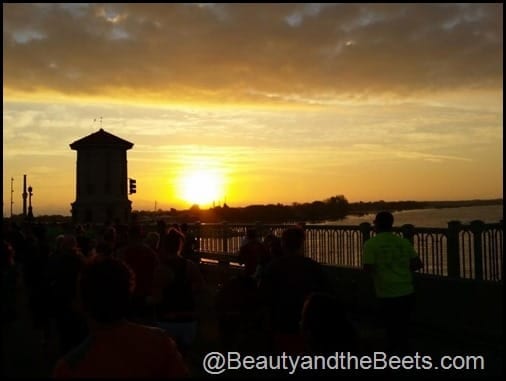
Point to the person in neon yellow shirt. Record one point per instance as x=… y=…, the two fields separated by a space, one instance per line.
x=391 y=260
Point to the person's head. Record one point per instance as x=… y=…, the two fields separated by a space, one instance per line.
x=59 y=241
x=172 y=242
x=383 y=221
x=161 y=226
x=79 y=229
x=153 y=240
x=292 y=241
x=105 y=288
x=273 y=244
x=251 y=234
x=68 y=243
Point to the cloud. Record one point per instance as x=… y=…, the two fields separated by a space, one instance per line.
x=429 y=157
x=33 y=127
x=237 y=53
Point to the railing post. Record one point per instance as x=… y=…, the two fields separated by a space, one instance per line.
x=408 y=232
x=452 y=249
x=224 y=232
x=197 y=232
x=477 y=228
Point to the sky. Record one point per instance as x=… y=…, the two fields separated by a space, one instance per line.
x=256 y=103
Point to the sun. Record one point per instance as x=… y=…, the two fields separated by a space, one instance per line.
x=201 y=187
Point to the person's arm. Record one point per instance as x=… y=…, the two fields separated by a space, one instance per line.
x=368 y=262
x=415 y=264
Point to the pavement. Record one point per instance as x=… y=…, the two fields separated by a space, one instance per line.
x=26 y=353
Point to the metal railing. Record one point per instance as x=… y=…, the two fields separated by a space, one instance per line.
x=473 y=251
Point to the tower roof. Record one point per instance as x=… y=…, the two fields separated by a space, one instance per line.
x=101 y=138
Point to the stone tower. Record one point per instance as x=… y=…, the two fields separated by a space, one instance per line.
x=101 y=179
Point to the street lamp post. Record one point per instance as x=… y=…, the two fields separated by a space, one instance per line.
x=30 y=212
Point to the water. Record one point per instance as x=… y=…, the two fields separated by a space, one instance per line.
x=433 y=218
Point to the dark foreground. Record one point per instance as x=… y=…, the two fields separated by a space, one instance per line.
x=25 y=353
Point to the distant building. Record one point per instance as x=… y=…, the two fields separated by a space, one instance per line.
x=101 y=179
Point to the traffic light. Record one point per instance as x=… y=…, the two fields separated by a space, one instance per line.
x=132 y=186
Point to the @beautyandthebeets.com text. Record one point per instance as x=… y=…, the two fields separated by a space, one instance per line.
x=218 y=363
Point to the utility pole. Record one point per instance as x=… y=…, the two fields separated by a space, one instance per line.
x=12 y=191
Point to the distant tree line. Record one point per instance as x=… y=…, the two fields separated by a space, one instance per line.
x=333 y=208
x=45 y=218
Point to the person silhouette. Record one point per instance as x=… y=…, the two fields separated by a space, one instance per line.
x=116 y=347
x=252 y=253
x=390 y=260
x=177 y=289
x=284 y=286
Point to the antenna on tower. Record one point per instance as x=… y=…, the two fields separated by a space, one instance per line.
x=95 y=119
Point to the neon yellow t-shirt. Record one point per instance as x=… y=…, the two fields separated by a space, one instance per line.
x=391 y=256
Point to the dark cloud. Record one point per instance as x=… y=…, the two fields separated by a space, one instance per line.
x=241 y=52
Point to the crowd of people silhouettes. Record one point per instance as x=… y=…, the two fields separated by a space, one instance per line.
x=122 y=301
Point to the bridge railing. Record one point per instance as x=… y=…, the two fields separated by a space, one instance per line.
x=472 y=251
